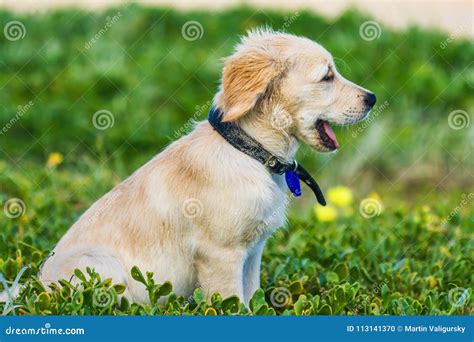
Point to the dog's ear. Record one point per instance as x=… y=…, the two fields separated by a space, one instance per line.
x=246 y=77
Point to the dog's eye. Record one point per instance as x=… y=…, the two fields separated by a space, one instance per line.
x=329 y=77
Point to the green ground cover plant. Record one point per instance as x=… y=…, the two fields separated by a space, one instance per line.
x=396 y=237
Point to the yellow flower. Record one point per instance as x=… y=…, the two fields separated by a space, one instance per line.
x=445 y=251
x=432 y=282
x=55 y=159
x=325 y=214
x=375 y=196
x=426 y=209
x=24 y=219
x=340 y=196
x=434 y=224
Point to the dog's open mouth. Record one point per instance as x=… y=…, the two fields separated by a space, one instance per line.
x=326 y=135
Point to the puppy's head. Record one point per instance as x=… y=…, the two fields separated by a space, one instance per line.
x=278 y=74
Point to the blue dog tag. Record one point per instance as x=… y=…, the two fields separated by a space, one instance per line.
x=293 y=182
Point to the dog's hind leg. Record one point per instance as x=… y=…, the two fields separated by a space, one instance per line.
x=62 y=265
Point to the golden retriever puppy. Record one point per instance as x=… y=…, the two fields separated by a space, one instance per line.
x=199 y=213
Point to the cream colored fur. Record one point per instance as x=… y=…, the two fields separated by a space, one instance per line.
x=199 y=213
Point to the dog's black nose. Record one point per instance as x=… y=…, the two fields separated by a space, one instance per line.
x=370 y=99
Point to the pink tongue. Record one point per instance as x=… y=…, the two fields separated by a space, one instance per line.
x=330 y=133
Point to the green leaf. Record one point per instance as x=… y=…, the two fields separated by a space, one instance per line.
x=339 y=294
x=316 y=300
x=210 y=312
x=149 y=279
x=216 y=300
x=257 y=301
x=300 y=305
x=137 y=275
x=78 y=273
x=374 y=309
x=342 y=270
x=354 y=273
x=77 y=300
x=385 y=291
x=66 y=284
x=296 y=287
x=366 y=274
x=325 y=310
x=119 y=288
x=332 y=277
x=232 y=304
x=264 y=310
x=164 y=290
x=124 y=304
x=43 y=301
x=65 y=292
x=199 y=296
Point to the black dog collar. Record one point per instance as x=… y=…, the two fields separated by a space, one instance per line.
x=235 y=136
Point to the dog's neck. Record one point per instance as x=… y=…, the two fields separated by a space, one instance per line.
x=277 y=141
x=267 y=143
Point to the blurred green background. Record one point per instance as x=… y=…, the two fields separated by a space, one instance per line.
x=154 y=81
x=414 y=154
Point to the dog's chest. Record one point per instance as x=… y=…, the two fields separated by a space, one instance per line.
x=263 y=211
x=275 y=210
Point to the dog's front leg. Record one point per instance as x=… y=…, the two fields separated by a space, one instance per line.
x=220 y=270
x=251 y=276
